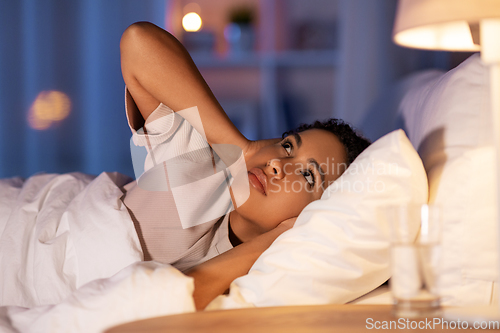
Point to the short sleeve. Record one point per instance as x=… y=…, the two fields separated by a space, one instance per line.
x=160 y=125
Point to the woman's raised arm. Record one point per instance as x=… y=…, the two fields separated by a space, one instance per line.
x=157 y=68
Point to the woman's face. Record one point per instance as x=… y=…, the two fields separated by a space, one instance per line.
x=286 y=176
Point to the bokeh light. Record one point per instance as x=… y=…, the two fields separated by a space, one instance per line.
x=191 y=22
x=48 y=107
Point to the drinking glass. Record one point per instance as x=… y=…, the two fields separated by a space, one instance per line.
x=415 y=260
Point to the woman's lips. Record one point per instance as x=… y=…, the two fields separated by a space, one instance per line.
x=258 y=180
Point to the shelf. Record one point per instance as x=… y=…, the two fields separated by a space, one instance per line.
x=309 y=58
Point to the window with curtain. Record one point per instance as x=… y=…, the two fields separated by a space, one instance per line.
x=61 y=90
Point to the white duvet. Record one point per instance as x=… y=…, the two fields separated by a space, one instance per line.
x=58 y=232
x=63 y=239
x=141 y=290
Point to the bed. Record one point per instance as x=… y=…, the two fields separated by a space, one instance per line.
x=338 y=250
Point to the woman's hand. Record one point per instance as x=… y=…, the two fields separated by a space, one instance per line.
x=265 y=240
x=253 y=147
x=288 y=224
x=213 y=277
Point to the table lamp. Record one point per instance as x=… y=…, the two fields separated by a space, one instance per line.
x=458 y=25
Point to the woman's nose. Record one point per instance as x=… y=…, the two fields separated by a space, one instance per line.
x=274 y=168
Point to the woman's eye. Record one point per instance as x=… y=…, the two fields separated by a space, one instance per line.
x=288 y=147
x=309 y=177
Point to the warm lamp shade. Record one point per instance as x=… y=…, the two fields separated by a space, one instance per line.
x=442 y=24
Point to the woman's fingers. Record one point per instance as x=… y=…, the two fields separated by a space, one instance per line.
x=288 y=223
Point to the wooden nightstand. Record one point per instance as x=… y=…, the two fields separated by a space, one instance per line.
x=318 y=318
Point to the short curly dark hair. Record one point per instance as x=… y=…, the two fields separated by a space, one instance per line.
x=354 y=143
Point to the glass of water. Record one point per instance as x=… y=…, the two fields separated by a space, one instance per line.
x=415 y=260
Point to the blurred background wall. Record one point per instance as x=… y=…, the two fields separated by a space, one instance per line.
x=271 y=63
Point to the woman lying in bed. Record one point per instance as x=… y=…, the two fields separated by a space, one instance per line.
x=158 y=71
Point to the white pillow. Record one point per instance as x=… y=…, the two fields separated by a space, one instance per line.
x=448 y=118
x=338 y=249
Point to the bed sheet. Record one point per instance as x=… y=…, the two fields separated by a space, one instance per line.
x=59 y=232
x=381 y=295
x=139 y=291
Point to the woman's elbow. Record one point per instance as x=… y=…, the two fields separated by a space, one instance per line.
x=141 y=35
x=133 y=35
